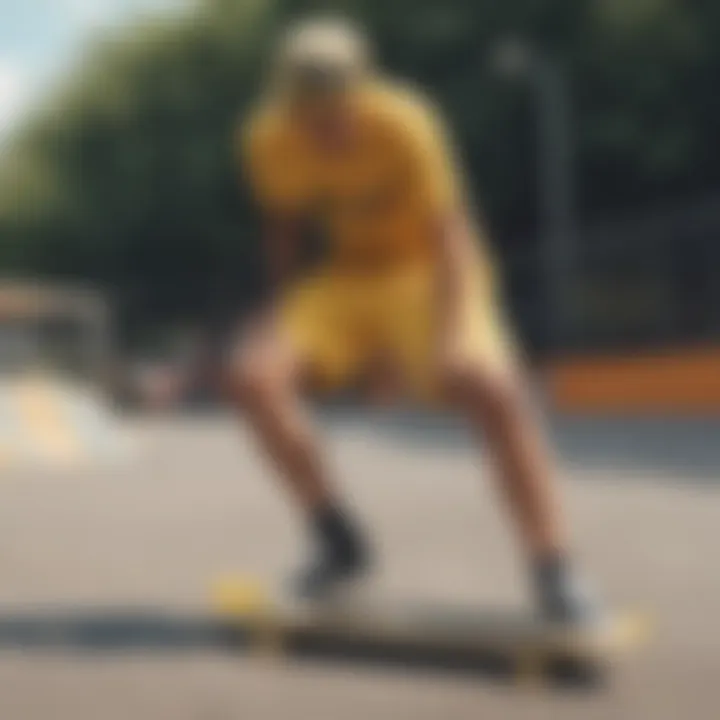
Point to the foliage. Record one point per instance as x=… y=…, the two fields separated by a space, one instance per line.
x=127 y=176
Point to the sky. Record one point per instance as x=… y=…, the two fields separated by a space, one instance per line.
x=40 y=38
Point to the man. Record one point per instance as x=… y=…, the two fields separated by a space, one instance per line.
x=408 y=278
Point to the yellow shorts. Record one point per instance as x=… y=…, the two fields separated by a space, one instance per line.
x=338 y=324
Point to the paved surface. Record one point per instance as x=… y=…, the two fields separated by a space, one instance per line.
x=44 y=421
x=197 y=503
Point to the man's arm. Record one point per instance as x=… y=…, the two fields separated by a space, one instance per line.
x=278 y=194
x=280 y=253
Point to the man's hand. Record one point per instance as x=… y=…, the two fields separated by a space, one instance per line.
x=281 y=239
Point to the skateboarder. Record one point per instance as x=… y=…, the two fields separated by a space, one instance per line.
x=336 y=144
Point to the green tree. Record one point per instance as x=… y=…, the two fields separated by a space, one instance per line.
x=129 y=177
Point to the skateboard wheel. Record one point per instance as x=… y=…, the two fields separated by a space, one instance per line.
x=238 y=598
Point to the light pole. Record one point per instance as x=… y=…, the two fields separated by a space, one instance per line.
x=555 y=182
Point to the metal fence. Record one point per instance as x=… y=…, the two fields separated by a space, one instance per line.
x=67 y=329
x=648 y=280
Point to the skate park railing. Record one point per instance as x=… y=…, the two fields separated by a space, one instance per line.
x=54 y=349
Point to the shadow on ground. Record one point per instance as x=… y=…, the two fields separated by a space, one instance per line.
x=108 y=630
x=118 y=631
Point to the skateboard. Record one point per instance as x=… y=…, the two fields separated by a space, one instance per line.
x=411 y=633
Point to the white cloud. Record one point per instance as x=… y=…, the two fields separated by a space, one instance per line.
x=22 y=84
x=91 y=13
x=14 y=93
x=88 y=13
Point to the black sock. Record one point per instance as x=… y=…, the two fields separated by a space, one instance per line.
x=551 y=570
x=337 y=534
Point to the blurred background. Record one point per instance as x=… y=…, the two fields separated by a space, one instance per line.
x=129 y=247
x=587 y=128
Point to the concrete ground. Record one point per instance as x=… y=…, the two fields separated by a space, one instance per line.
x=196 y=503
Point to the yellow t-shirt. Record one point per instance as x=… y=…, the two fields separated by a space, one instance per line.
x=378 y=201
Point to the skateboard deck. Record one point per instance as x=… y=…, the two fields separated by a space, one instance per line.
x=411 y=632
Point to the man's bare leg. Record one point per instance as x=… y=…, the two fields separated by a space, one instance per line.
x=266 y=381
x=498 y=405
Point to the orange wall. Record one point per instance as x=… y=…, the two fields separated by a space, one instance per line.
x=674 y=381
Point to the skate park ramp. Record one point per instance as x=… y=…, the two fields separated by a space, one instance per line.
x=51 y=422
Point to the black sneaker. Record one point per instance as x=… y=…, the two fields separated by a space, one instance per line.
x=563 y=598
x=330 y=574
x=571 y=604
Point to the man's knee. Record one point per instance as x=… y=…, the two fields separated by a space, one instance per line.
x=491 y=388
x=248 y=381
x=255 y=376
